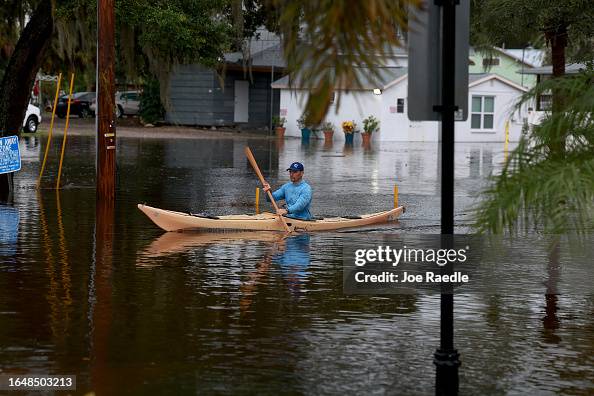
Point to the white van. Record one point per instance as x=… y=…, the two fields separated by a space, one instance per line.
x=32 y=119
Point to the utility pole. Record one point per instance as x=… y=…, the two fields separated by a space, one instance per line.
x=105 y=204
x=105 y=119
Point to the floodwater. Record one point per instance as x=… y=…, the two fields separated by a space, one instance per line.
x=130 y=309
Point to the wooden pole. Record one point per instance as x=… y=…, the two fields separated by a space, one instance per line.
x=506 y=144
x=105 y=120
x=257 y=199
x=49 y=136
x=65 y=132
x=254 y=164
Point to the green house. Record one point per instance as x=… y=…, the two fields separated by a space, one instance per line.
x=508 y=63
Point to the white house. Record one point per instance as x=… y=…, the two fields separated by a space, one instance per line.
x=492 y=100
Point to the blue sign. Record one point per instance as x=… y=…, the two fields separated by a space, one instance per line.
x=10 y=156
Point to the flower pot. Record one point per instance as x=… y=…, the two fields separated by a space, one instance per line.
x=366 y=138
x=280 y=132
x=348 y=138
x=305 y=132
x=328 y=135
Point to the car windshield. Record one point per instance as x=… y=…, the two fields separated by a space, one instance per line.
x=80 y=95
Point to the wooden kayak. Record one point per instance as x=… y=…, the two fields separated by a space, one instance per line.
x=177 y=221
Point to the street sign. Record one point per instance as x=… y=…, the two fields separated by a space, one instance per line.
x=424 y=61
x=10 y=156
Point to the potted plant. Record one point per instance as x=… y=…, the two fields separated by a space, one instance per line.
x=349 y=128
x=328 y=129
x=370 y=125
x=305 y=128
x=279 y=126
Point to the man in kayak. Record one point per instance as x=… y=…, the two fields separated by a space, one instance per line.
x=297 y=194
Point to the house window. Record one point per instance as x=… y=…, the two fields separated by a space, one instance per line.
x=490 y=62
x=544 y=102
x=400 y=105
x=483 y=109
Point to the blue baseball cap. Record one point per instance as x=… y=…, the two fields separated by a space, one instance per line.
x=295 y=167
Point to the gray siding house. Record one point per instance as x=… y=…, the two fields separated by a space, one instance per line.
x=245 y=99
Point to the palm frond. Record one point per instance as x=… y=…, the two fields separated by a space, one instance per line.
x=338 y=43
x=539 y=187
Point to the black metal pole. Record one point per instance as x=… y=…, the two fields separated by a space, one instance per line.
x=446 y=358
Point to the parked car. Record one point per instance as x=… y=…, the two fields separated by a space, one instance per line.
x=32 y=119
x=79 y=105
x=127 y=103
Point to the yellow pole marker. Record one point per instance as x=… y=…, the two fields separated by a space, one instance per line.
x=49 y=136
x=395 y=196
x=65 y=132
x=506 y=144
x=257 y=199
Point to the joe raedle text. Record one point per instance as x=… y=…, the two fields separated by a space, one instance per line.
x=405 y=277
x=390 y=270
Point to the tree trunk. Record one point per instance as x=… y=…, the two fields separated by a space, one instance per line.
x=19 y=76
x=557 y=38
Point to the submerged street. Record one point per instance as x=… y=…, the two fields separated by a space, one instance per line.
x=176 y=313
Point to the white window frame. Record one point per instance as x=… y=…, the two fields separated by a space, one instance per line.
x=482 y=113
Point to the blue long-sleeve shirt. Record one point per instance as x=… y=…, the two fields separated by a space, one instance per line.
x=297 y=197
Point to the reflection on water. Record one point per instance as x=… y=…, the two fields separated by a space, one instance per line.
x=292 y=257
x=102 y=293
x=551 y=320
x=100 y=302
x=9 y=230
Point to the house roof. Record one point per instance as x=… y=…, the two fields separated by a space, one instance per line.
x=388 y=76
x=272 y=56
x=265 y=50
x=475 y=79
x=572 y=68
x=472 y=77
x=394 y=75
x=531 y=56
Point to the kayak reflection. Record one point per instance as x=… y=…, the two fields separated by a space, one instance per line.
x=180 y=242
x=288 y=257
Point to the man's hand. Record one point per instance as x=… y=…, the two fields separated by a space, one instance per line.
x=281 y=212
x=266 y=187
